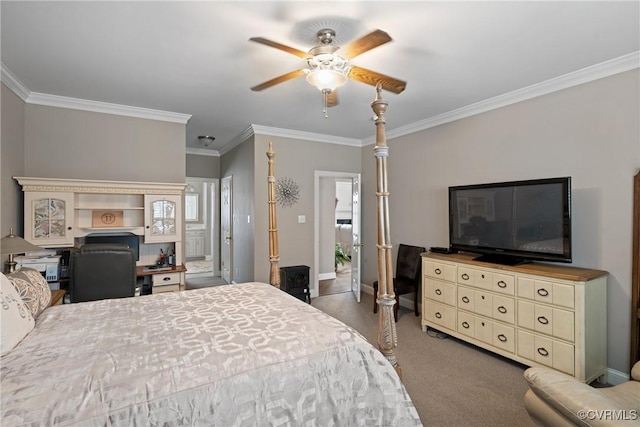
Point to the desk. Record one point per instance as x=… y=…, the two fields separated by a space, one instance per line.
x=57 y=296
x=162 y=280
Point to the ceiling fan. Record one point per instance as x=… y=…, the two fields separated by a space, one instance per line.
x=329 y=69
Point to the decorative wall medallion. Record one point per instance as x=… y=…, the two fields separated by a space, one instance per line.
x=287 y=192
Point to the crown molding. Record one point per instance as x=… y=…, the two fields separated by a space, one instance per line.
x=598 y=71
x=242 y=137
x=203 y=152
x=107 y=108
x=13 y=83
x=307 y=136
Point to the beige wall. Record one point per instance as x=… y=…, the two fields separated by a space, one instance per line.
x=589 y=132
x=12 y=164
x=199 y=166
x=239 y=164
x=65 y=143
x=298 y=160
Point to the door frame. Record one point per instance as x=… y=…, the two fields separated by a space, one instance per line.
x=315 y=285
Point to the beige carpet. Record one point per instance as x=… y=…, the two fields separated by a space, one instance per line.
x=450 y=382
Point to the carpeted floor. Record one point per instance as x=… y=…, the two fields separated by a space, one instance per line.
x=451 y=383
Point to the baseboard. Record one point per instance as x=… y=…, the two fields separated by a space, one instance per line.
x=616 y=377
x=327 y=276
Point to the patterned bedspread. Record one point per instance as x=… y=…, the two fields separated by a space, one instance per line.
x=234 y=355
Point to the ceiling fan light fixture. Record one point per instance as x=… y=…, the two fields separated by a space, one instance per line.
x=326 y=79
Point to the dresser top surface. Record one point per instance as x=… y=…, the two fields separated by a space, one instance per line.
x=556 y=271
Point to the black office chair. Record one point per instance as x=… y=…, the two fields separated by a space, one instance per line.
x=102 y=271
x=407 y=278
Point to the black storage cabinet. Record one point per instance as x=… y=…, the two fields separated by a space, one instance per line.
x=295 y=281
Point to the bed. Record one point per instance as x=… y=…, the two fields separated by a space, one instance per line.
x=246 y=354
x=242 y=354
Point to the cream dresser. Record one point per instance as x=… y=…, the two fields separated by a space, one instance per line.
x=536 y=314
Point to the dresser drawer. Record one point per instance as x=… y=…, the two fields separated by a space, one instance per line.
x=475 y=278
x=440 y=291
x=503 y=283
x=166 y=279
x=165 y=288
x=548 y=292
x=492 y=333
x=439 y=270
x=546 y=351
x=440 y=314
x=547 y=320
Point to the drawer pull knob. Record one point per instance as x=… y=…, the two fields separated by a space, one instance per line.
x=482 y=297
x=482 y=276
x=502 y=309
x=543 y=320
x=465 y=300
x=438 y=292
x=437 y=271
x=502 y=284
x=438 y=315
x=166 y=279
x=543 y=292
x=465 y=325
x=502 y=338
x=543 y=351
x=465 y=276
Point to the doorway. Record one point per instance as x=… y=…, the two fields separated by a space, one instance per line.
x=337 y=234
x=202 y=257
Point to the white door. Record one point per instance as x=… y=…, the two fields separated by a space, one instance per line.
x=226 y=230
x=357 y=244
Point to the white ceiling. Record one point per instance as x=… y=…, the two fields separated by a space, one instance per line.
x=195 y=58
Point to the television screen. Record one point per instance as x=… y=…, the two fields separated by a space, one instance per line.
x=514 y=221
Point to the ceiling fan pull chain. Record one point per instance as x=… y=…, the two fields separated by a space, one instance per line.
x=325 y=95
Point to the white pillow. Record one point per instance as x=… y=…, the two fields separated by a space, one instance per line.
x=16 y=320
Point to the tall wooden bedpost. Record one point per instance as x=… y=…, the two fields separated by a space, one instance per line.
x=387 y=341
x=274 y=257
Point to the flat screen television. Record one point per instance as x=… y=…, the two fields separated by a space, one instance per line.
x=512 y=222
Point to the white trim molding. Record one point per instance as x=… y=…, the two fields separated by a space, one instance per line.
x=17 y=87
x=105 y=107
x=13 y=83
x=308 y=136
x=585 y=75
x=203 y=152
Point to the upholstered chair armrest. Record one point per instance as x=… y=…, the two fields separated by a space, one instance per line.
x=577 y=401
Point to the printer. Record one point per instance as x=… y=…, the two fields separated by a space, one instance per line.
x=48 y=265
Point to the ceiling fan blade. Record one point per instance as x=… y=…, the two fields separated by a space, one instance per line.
x=372 y=78
x=279 y=79
x=332 y=98
x=280 y=46
x=363 y=44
